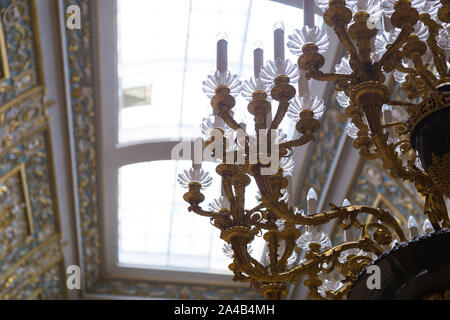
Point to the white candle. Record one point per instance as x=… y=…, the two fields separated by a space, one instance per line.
x=308 y=13
x=387 y=118
x=311 y=201
x=413 y=227
x=222 y=52
x=348 y=234
x=311 y=206
x=427 y=226
x=258 y=59
x=279 y=40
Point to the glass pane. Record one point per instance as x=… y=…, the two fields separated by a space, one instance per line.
x=178 y=52
x=155 y=228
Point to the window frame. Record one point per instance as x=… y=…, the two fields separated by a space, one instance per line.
x=114 y=155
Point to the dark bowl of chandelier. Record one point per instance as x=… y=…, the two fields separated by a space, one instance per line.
x=431 y=127
x=416 y=269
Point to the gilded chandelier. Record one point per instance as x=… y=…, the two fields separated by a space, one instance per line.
x=415 y=51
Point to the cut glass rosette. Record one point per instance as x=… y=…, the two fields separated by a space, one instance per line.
x=387 y=6
x=343 y=99
x=307 y=102
x=280 y=136
x=287 y=165
x=252 y=85
x=280 y=224
x=443 y=39
x=308 y=35
x=420 y=30
x=222 y=79
x=372 y=7
x=219 y=204
x=345 y=255
x=351 y=130
x=399 y=76
x=273 y=69
x=292 y=259
x=284 y=196
x=385 y=39
x=314 y=237
x=194 y=175
x=343 y=67
x=432 y=7
x=213 y=122
x=324 y=4
x=329 y=285
x=382 y=40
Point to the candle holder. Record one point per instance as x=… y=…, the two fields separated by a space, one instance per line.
x=296 y=247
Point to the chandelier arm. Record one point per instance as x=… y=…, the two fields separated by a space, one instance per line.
x=304 y=139
x=438 y=53
x=272 y=240
x=400 y=67
x=342 y=34
x=321 y=76
x=401 y=40
x=401 y=103
x=198 y=210
x=282 y=211
x=264 y=185
x=288 y=249
x=220 y=220
x=423 y=72
x=395 y=145
x=229 y=120
x=366 y=154
x=244 y=261
x=281 y=112
x=340 y=293
x=423 y=182
x=392 y=124
x=356 y=117
x=391 y=160
x=312 y=265
x=238 y=217
x=226 y=183
x=255 y=209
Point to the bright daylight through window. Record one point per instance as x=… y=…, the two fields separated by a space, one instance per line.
x=165 y=51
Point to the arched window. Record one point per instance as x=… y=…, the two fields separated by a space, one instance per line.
x=153 y=58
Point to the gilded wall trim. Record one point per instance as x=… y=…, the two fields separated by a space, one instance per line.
x=4 y=66
x=29 y=222
x=5 y=191
x=21 y=36
x=79 y=50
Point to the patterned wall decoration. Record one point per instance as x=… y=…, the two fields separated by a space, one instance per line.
x=29 y=225
x=22 y=48
x=31 y=261
x=80 y=55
